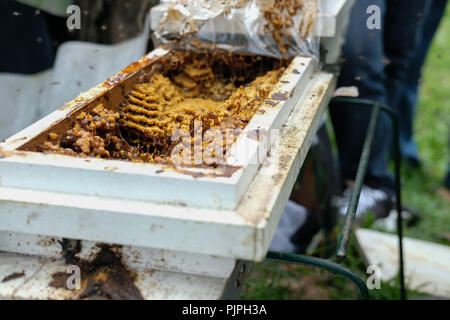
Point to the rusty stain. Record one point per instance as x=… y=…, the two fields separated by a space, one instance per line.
x=46 y=242
x=257 y=134
x=7 y=153
x=320 y=91
x=111 y=168
x=284 y=81
x=116 y=80
x=59 y=280
x=271 y=102
x=103 y=278
x=295 y=71
x=154 y=226
x=277 y=177
x=195 y=175
x=20 y=139
x=280 y=96
x=128 y=71
x=261 y=111
x=222 y=171
x=13 y=276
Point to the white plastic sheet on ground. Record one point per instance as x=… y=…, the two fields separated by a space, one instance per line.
x=294 y=216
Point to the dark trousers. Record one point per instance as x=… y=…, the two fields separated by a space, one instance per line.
x=409 y=95
x=27 y=46
x=377 y=62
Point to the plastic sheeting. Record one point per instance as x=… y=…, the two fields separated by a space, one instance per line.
x=264 y=27
x=294 y=216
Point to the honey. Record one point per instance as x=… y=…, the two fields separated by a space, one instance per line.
x=189 y=96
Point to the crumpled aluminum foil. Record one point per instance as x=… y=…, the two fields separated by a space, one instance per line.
x=276 y=28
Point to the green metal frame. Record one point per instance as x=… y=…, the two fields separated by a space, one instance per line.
x=342 y=248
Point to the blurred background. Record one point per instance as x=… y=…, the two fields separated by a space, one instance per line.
x=422 y=189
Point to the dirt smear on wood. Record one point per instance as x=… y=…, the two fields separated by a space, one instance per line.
x=103 y=278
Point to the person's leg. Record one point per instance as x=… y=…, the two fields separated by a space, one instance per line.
x=404 y=19
x=363 y=66
x=26 y=44
x=408 y=100
x=402 y=33
x=112 y=21
x=378 y=79
x=366 y=66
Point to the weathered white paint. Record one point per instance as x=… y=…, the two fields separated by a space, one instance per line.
x=153 y=284
x=427 y=264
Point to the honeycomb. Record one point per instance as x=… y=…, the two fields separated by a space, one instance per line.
x=190 y=96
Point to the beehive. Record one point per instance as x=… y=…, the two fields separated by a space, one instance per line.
x=116 y=141
x=194 y=97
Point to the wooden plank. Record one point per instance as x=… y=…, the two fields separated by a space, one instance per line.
x=427 y=264
x=152 y=284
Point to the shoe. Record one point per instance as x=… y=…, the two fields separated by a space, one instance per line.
x=371 y=200
x=410 y=218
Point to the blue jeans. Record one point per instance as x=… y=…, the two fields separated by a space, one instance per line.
x=377 y=62
x=409 y=96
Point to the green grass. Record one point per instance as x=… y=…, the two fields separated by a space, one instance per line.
x=432 y=134
x=271 y=280
x=279 y=281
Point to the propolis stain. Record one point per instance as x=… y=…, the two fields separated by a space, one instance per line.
x=103 y=278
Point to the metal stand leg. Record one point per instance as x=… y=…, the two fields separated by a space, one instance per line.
x=341 y=252
x=322 y=264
